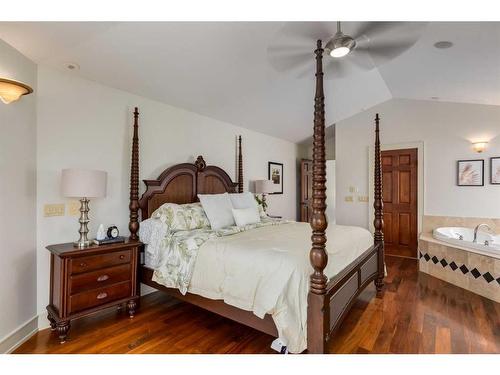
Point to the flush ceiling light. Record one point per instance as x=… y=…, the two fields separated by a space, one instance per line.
x=10 y=90
x=340 y=45
x=479 y=146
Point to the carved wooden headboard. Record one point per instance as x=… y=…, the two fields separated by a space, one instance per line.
x=182 y=183
x=179 y=184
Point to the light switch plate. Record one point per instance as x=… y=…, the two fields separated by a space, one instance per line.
x=349 y=198
x=74 y=208
x=56 y=209
x=363 y=198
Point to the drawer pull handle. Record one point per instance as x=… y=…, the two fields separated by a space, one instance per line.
x=83 y=265
x=102 y=295
x=102 y=278
x=122 y=256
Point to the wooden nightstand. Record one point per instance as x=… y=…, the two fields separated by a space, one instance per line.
x=83 y=281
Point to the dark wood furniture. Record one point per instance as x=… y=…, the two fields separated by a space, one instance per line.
x=84 y=281
x=305 y=190
x=328 y=300
x=399 y=171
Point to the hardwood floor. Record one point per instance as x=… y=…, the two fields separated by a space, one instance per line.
x=417 y=314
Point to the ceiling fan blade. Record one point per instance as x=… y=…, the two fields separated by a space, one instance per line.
x=387 y=40
x=335 y=68
x=385 y=51
x=361 y=58
x=287 y=57
x=290 y=62
x=372 y=29
x=308 y=31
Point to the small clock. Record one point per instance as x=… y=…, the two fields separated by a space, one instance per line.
x=112 y=232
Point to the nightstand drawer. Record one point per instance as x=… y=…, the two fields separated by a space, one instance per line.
x=96 y=297
x=95 y=262
x=100 y=278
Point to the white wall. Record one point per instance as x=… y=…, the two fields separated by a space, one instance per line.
x=17 y=197
x=446 y=130
x=330 y=191
x=84 y=124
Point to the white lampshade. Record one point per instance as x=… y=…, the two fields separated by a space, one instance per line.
x=83 y=183
x=264 y=187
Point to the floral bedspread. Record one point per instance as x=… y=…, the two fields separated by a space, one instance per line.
x=178 y=250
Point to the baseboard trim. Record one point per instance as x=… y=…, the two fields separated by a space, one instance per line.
x=13 y=340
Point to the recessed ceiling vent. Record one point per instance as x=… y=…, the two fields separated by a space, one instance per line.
x=72 y=66
x=443 y=44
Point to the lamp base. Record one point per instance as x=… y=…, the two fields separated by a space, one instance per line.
x=82 y=244
x=83 y=241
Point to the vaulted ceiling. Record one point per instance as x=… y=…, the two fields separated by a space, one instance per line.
x=223 y=70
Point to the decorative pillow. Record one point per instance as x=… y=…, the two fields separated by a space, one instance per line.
x=182 y=217
x=244 y=216
x=246 y=200
x=243 y=200
x=218 y=209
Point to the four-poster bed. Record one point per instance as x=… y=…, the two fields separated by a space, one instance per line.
x=328 y=301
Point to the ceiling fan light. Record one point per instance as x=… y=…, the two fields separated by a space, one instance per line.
x=339 y=52
x=340 y=45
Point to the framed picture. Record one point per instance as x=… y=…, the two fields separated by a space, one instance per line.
x=470 y=173
x=275 y=174
x=495 y=171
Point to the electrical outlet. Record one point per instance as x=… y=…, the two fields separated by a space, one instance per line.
x=56 y=209
x=74 y=208
x=363 y=198
x=349 y=198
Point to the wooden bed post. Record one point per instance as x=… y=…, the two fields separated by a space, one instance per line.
x=133 y=224
x=317 y=315
x=378 y=205
x=240 y=167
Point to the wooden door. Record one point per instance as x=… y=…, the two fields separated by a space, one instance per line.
x=399 y=171
x=305 y=190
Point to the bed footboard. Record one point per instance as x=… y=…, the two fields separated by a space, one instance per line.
x=327 y=311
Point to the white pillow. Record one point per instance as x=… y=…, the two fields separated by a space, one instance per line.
x=244 y=216
x=218 y=209
x=244 y=200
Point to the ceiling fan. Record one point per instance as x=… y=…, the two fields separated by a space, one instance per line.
x=363 y=47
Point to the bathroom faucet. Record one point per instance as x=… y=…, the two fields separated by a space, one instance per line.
x=476 y=229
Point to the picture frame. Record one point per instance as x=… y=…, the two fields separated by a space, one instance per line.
x=495 y=170
x=275 y=174
x=470 y=172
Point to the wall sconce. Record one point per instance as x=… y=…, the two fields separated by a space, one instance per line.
x=479 y=146
x=10 y=90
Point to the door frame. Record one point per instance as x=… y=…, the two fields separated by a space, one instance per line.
x=419 y=145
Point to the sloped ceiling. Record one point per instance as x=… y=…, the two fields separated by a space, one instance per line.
x=222 y=70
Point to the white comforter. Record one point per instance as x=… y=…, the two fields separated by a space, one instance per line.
x=266 y=270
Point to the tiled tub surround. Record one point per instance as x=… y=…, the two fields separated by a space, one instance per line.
x=432 y=222
x=475 y=272
x=478 y=273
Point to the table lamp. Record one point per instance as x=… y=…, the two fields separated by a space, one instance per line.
x=264 y=187
x=83 y=184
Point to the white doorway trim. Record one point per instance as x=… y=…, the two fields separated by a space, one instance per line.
x=420 y=176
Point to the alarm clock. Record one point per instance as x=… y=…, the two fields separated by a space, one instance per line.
x=112 y=232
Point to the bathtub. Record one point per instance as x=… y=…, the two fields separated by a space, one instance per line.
x=462 y=237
